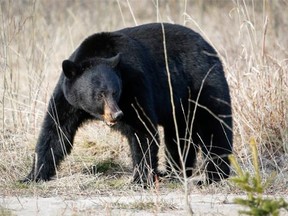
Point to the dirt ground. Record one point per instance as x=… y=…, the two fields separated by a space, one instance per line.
x=216 y=204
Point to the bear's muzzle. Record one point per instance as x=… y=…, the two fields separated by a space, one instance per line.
x=112 y=113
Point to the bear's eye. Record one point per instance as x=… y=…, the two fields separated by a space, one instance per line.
x=100 y=96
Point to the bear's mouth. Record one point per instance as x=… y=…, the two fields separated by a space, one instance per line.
x=112 y=118
x=110 y=123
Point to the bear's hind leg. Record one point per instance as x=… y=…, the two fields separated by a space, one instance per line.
x=216 y=143
x=188 y=152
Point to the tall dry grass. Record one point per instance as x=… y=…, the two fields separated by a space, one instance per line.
x=36 y=36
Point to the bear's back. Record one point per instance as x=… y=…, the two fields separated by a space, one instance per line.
x=180 y=40
x=189 y=56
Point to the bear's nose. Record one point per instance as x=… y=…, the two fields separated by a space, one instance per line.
x=117 y=115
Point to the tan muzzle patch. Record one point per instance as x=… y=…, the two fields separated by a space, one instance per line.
x=112 y=113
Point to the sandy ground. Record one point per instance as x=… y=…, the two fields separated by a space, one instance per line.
x=169 y=204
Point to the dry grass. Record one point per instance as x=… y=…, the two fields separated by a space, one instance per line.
x=36 y=36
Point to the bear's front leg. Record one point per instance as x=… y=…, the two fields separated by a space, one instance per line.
x=144 y=148
x=56 y=137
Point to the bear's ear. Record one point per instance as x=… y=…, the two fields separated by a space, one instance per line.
x=114 y=61
x=70 y=69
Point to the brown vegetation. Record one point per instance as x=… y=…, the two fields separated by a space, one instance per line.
x=36 y=36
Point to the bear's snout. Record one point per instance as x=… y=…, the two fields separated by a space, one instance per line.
x=111 y=118
x=112 y=113
x=117 y=115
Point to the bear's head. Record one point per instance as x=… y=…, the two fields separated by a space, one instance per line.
x=94 y=86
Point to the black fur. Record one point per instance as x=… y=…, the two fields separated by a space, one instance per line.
x=136 y=85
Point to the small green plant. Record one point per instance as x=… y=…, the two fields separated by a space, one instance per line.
x=107 y=166
x=254 y=186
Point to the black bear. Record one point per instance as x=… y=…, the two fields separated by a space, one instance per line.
x=135 y=79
